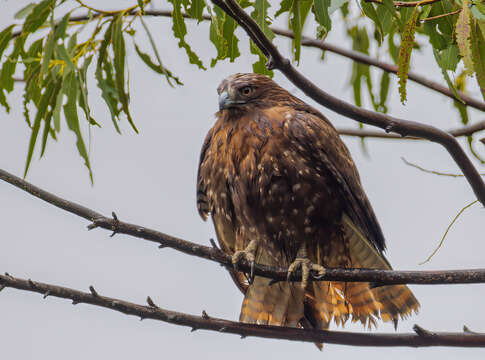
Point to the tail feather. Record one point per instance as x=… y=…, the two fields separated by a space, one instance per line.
x=264 y=303
x=286 y=304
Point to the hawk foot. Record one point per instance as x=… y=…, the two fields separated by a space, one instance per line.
x=247 y=254
x=306 y=265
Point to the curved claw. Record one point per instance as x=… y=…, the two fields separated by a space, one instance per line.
x=306 y=266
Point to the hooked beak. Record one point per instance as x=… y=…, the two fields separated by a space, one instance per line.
x=226 y=102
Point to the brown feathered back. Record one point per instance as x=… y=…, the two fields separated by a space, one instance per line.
x=275 y=170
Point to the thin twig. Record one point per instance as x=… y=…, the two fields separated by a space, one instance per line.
x=386 y=122
x=470 y=276
x=446 y=232
x=433 y=171
x=440 y=16
x=406 y=3
x=421 y=337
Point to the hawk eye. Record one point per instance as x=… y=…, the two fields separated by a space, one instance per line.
x=246 y=90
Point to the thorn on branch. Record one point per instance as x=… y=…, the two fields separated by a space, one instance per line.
x=92 y=226
x=467 y=330
x=213 y=243
x=46 y=294
x=243 y=336
x=389 y=128
x=75 y=302
x=223 y=329
x=115 y=224
x=193 y=329
x=142 y=318
x=2 y=287
x=93 y=291
x=204 y=315
x=31 y=283
x=421 y=331
x=482 y=140
x=151 y=303
x=162 y=246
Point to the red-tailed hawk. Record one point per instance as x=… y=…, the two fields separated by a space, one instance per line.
x=282 y=190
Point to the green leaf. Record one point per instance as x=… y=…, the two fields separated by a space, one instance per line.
x=463 y=37
x=260 y=65
x=119 y=60
x=5 y=37
x=70 y=112
x=478 y=54
x=104 y=77
x=285 y=6
x=449 y=57
x=336 y=4
x=41 y=112
x=370 y=11
x=179 y=30
x=64 y=55
x=260 y=16
x=38 y=16
x=196 y=9
x=460 y=84
x=298 y=14
x=48 y=117
x=168 y=74
x=141 y=5
x=231 y=40
x=445 y=74
x=322 y=15
x=159 y=68
x=223 y=37
x=25 y=11
x=407 y=41
x=384 y=91
x=10 y=64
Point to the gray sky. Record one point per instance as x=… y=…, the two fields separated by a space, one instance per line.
x=149 y=179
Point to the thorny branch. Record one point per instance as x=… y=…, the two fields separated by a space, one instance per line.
x=386 y=122
x=421 y=337
x=377 y=277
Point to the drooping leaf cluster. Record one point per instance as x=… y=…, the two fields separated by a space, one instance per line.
x=55 y=66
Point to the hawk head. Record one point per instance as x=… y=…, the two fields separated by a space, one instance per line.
x=244 y=91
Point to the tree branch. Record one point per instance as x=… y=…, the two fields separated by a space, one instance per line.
x=458 y=132
x=421 y=337
x=378 y=277
x=406 y=3
x=386 y=122
x=391 y=68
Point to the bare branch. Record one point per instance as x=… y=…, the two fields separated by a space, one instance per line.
x=406 y=3
x=458 y=132
x=421 y=337
x=386 y=122
x=378 y=277
x=432 y=171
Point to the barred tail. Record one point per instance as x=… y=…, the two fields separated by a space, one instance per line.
x=357 y=301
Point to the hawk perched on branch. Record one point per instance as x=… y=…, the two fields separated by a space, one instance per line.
x=282 y=190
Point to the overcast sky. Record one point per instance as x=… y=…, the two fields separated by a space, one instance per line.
x=149 y=179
